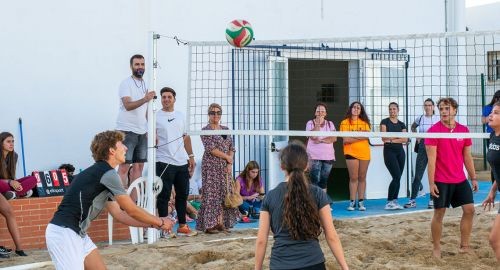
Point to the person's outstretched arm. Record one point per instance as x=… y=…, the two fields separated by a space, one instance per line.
x=262 y=235
x=139 y=214
x=122 y=216
x=332 y=238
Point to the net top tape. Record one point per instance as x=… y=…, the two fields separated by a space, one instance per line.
x=341 y=134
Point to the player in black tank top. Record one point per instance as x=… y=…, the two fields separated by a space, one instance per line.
x=493 y=157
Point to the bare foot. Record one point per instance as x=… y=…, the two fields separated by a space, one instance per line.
x=436 y=252
x=465 y=249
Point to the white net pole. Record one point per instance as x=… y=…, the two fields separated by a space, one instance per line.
x=151 y=200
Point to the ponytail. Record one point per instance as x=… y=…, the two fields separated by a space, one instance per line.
x=300 y=213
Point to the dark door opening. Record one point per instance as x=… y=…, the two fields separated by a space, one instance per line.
x=326 y=81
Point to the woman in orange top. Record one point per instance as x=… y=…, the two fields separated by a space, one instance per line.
x=357 y=153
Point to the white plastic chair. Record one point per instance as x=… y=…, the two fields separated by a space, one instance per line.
x=137 y=233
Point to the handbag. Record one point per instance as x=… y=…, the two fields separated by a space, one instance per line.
x=415 y=149
x=233 y=199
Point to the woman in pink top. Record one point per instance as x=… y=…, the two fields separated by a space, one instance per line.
x=249 y=182
x=320 y=149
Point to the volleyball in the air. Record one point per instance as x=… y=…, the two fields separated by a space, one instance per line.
x=239 y=33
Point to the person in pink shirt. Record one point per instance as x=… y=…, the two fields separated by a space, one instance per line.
x=447 y=181
x=320 y=149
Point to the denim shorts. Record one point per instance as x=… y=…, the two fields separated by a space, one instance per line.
x=137 y=145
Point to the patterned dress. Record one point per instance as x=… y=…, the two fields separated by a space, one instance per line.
x=213 y=188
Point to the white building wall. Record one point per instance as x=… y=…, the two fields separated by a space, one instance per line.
x=63 y=60
x=483 y=17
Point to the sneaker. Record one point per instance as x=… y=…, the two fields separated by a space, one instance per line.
x=166 y=234
x=5 y=250
x=21 y=253
x=411 y=204
x=29 y=193
x=351 y=206
x=421 y=193
x=389 y=206
x=185 y=230
x=393 y=205
x=430 y=205
x=398 y=206
x=361 y=206
x=9 y=195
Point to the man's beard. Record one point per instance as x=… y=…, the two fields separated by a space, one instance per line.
x=138 y=73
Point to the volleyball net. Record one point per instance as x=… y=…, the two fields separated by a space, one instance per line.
x=268 y=90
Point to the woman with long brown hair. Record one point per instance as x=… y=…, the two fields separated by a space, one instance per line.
x=251 y=187
x=357 y=153
x=9 y=185
x=296 y=211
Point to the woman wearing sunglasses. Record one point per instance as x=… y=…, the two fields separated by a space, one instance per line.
x=217 y=166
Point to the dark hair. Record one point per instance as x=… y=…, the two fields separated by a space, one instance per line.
x=495 y=97
x=135 y=56
x=103 y=142
x=300 y=213
x=251 y=165
x=67 y=167
x=448 y=100
x=169 y=90
x=327 y=122
x=7 y=164
x=362 y=115
x=320 y=104
x=394 y=103
x=431 y=101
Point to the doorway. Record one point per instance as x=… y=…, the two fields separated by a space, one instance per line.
x=326 y=81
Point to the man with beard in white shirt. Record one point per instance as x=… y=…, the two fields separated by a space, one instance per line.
x=134 y=96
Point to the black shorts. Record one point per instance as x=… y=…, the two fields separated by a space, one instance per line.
x=453 y=194
x=349 y=157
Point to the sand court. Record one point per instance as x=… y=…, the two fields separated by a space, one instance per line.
x=396 y=240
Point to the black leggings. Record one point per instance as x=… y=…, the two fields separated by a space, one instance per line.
x=394 y=159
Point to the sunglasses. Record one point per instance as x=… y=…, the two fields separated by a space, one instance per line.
x=215 y=113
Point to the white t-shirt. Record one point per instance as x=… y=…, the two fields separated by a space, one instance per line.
x=170 y=128
x=194 y=186
x=134 y=120
x=425 y=122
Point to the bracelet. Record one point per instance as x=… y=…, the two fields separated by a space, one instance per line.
x=191 y=155
x=161 y=225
